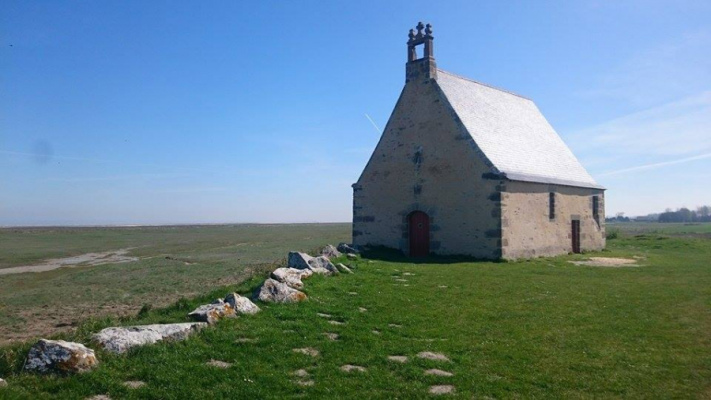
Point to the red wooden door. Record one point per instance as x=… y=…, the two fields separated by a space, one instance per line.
x=419 y=234
x=576 y=236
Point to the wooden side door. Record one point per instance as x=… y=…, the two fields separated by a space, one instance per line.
x=419 y=234
x=575 y=234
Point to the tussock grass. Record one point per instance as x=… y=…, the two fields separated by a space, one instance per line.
x=534 y=328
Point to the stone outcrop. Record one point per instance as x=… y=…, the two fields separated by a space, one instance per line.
x=121 y=339
x=343 y=268
x=319 y=265
x=291 y=276
x=273 y=291
x=351 y=256
x=330 y=252
x=241 y=304
x=346 y=248
x=60 y=356
x=213 y=312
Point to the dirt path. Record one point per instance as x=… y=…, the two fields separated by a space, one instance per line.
x=88 y=259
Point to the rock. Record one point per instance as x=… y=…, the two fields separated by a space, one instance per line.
x=351 y=256
x=343 y=268
x=400 y=359
x=60 y=356
x=346 y=248
x=291 y=276
x=241 y=304
x=441 y=389
x=301 y=373
x=213 y=312
x=134 y=384
x=218 y=364
x=308 y=351
x=99 y=397
x=438 y=372
x=428 y=355
x=298 y=260
x=330 y=252
x=3 y=383
x=349 y=368
x=331 y=335
x=120 y=339
x=273 y=291
x=320 y=265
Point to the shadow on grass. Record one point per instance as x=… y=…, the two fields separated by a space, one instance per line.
x=388 y=254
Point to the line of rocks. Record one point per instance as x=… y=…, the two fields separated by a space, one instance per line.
x=281 y=287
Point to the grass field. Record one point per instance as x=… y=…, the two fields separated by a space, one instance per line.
x=537 y=328
x=175 y=261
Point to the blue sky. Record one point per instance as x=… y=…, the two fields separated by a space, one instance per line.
x=184 y=112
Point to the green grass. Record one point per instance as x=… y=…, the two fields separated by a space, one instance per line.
x=672 y=228
x=35 y=304
x=538 y=328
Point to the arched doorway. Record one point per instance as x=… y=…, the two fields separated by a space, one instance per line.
x=419 y=227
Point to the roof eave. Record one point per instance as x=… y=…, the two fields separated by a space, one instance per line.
x=551 y=181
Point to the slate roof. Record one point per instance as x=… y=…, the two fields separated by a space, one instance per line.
x=513 y=134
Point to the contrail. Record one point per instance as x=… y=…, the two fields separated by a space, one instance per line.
x=657 y=165
x=373 y=122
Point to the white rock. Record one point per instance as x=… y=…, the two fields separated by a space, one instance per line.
x=60 y=356
x=350 y=368
x=213 y=312
x=291 y=276
x=3 y=383
x=273 y=291
x=241 y=304
x=322 y=265
x=438 y=372
x=351 y=256
x=441 y=389
x=319 y=265
x=330 y=252
x=343 y=268
x=428 y=355
x=120 y=339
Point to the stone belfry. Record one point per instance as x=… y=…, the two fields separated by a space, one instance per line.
x=425 y=66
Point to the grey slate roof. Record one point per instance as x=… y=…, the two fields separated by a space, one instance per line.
x=513 y=134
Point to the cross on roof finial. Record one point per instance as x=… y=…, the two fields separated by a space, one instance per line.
x=428 y=29
x=411 y=35
x=420 y=26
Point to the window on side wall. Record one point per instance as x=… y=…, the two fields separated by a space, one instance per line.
x=596 y=208
x=551 y=206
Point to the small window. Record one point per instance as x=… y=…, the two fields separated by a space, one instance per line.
x=551 y=206
x=596 y=208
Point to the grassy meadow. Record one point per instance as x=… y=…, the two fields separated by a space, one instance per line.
x=541 y=328
x=174 y=262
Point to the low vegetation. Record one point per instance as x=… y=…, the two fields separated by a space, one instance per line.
x=536 y=328
x=174 y=262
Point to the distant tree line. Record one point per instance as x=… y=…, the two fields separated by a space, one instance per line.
x=683 y=214
x=701 y=214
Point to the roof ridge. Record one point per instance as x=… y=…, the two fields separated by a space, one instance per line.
x=484 y=84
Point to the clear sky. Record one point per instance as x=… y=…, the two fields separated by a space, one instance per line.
x=150 y=112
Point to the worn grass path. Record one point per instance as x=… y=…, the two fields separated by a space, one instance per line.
x=539 y=328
